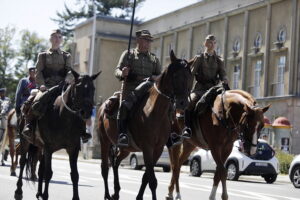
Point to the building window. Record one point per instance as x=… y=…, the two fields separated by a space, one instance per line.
x=280 y=76
x=281 y=37
x=257 y=74
x=258 y=40
x=236 y=77
x=236 y=45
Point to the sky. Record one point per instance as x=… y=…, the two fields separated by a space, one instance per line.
x=35 y=15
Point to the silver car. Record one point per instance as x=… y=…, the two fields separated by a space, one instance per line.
x=136 y=160
x=294 y=172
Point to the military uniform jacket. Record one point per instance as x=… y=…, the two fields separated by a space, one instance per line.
x=142 y=65
x=208 y=71
x=52 y=67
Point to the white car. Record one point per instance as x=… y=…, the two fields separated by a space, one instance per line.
x=264 y=163
x=294 y=171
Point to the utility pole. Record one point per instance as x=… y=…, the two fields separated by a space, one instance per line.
x=91 y=63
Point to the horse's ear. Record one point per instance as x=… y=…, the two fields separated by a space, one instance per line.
x=266 y=108
x=75 y=74
x=95 y=75
x=248 y=109
x=172 y=56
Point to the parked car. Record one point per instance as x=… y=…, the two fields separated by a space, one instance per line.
x=136 y=160
x=264 y=163
x=294 y=172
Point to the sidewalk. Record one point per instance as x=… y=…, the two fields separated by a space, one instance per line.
x=62 y=155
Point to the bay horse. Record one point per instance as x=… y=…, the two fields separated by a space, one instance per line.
x=60 y=128
x=234 y=114
x=13 y=127
x=9 y=138
x=149 y=125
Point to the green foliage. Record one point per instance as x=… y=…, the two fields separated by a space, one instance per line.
x=284 y=161
x=15 y=62
x=7 y=54
x=68 y=18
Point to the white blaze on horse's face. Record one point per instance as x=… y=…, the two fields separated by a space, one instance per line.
x=254 y=142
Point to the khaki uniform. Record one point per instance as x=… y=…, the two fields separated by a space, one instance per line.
x=52 y=67
x=208 y=71
x=142 y=65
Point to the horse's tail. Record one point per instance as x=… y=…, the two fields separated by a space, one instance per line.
x=4 y=141
x=30 y=161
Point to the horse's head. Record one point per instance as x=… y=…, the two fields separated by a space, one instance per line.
x=82 y=94
x=176 y=81
x=252 y=121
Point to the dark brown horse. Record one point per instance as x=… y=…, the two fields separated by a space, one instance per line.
x=60 y=128
x=149 y=125
x=234 y=114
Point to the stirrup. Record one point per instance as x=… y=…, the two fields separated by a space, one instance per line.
x=187 y=133
x=175 y=139
x=123 y=140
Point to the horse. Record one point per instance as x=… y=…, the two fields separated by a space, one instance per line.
x=152 y=115
x=234 y=114
x=60 y=128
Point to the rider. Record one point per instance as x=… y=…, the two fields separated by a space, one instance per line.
x=24 y=88
x=208 y=69
x=51 y=70
x=4 y=109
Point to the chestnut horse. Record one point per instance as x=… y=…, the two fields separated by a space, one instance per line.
x=149 y=126
x=234 y=114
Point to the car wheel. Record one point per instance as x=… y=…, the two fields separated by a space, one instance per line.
x=134 y=163
x=195 y=167
x=166 y=169
x=232 y=172
x=270 y=178
x=295 y=176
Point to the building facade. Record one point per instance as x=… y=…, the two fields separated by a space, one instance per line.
x=258 y=39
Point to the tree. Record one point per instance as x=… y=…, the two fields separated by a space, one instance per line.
x=31 y=44
x=68 y=18
x=7 y=53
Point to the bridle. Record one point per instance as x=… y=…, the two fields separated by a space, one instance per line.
x=76 y=112
x=239 y=127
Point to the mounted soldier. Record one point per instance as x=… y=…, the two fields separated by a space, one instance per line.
x=52 y=68
x=25 y=86
x=208 y=69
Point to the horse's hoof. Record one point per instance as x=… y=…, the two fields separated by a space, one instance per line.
x=115 y=197
x=18 y=196
x=169 y=198
x=13 y=174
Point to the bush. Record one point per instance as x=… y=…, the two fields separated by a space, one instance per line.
x=285 y=160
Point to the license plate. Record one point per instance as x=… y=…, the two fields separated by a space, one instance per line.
x=259 y=164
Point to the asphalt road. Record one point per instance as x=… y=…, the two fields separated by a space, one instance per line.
x=192 y=188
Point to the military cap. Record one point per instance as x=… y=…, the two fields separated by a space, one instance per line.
x=3 y=89
x=31 y=69
x=58 y=31
x=143 y=34
x=210 y=37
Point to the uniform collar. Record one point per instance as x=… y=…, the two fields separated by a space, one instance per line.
x=206 y=54
x=51 y=51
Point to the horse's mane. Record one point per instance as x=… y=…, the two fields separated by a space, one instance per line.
x=246 y=95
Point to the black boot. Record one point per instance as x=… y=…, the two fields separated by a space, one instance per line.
x=174 y=140
x=86 y=136
x=187 y=131
x=123 y=140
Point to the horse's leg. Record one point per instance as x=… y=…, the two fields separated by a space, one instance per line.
x=48 y=172
x=217 y=177
x=41 y=174
x=73 y=156
x=225 y=153
x=186 y=151
x=105 y=148
x=19 y=193
x=174 y=157
x=150 y=159
x=117 y=186
x=12 y=152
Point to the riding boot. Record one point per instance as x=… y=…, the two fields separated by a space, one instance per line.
x=187 y=131
x=86 y=135
x=123 y=140
x=174 y=140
